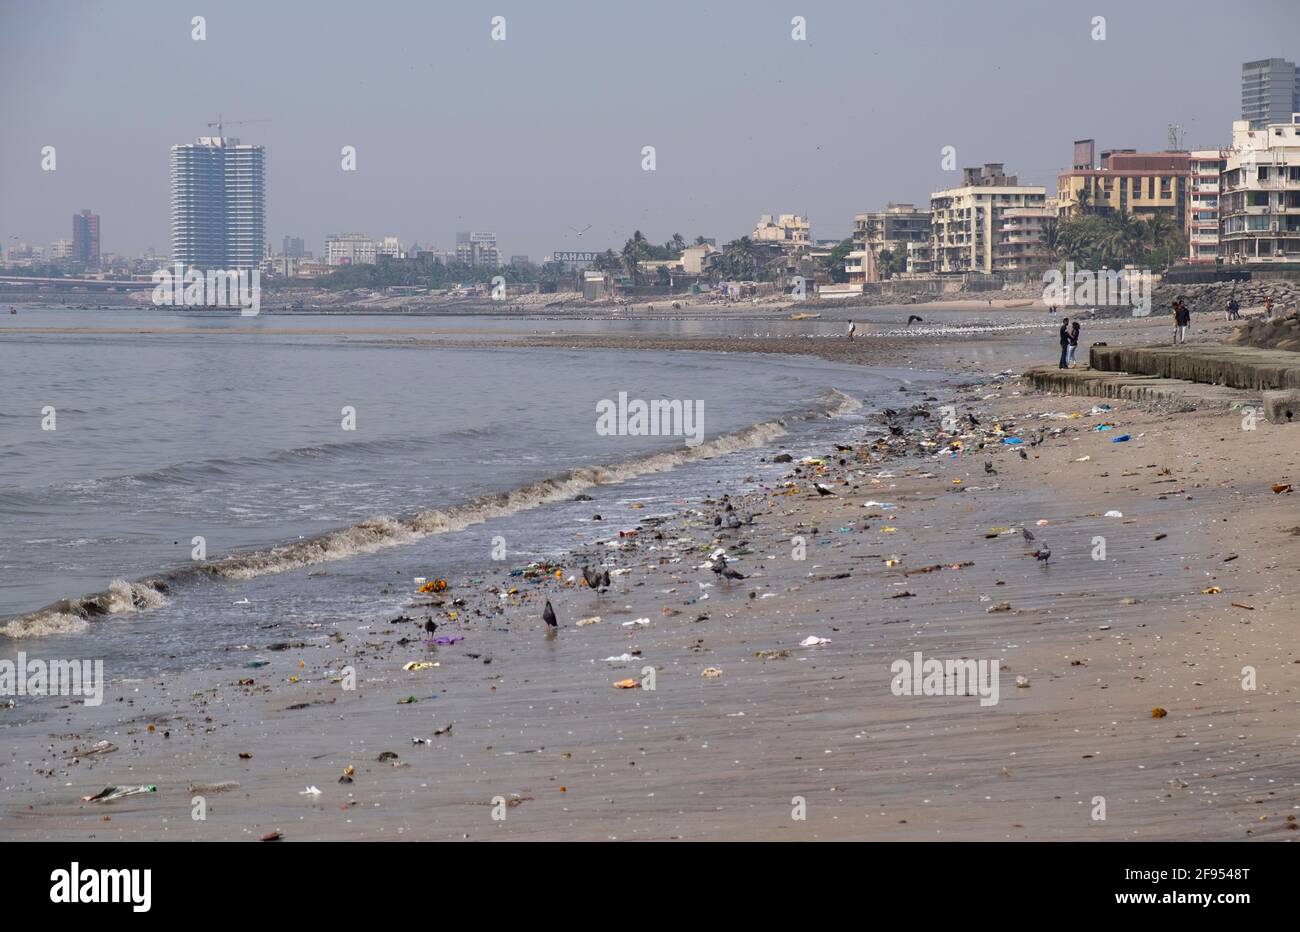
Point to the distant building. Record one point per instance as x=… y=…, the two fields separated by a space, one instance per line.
x=350 y=249
x=61 y=250
x=218 y=204
x=888 y=230
x=294 y=247
x=790 y=231
x=1204 y=168
x=1259 y=205
x=695 y=259
x=989 y=224
x=1270 y=91
x=389 y=246
x=85 y=239
x=478 y=250
x=519 y=260
x=1143 y=184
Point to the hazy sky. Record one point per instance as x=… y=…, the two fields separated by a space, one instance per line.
x=528 y=136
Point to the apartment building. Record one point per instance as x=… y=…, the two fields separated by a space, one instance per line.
x=1143 y=184
x=1259 y=204
x=990 y=224
x=789 y=231
x=1204 y=168
x=350 y=249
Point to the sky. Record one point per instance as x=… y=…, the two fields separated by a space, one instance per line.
x=544 y=131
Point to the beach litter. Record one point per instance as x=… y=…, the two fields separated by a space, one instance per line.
x=711 y=672
x=310 y=791
x=414 y=666
x=813 y=640
x=101 y=747
x=628 y=683
x=223 y=787
x=109 y=793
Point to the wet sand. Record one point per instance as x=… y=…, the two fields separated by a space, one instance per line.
x=536 y=721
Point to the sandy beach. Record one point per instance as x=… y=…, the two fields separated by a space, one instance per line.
x=1120 y=678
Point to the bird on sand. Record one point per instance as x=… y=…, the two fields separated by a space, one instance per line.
x=430 y=626
x=972 y=418
x=1027 y=534
x=548 y=615
x=1023 y=454
x=591 y=576
x=1044 y=553
x=988 y=468
x=821 y=489
x=604 y=579
x=914 y=318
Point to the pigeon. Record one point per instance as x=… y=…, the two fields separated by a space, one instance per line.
x=1044 y=553
x=548 y=615
x=1026 y=533
x=821 y=489
x=914 y=319
x=988 y=468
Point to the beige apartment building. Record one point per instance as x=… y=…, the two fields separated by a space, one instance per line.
x=787 y=230
x=990 y=224
x=1259 y=205
x=890 y=230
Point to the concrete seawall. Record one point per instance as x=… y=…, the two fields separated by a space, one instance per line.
x=1213 y=364
x=1094 y=384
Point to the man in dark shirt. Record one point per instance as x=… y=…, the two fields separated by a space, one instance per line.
x=1065 y=342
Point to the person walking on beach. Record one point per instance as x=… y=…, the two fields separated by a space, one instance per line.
x=1234 y=309
x=1268 y=307
x=853 y=328
x=1065 y=342
x=1074 y=341
x=1182 y=320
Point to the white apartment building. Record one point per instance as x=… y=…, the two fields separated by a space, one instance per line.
x=1204 y=169
x=1259 y=205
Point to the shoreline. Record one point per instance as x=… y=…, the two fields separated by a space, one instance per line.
x=819 y=722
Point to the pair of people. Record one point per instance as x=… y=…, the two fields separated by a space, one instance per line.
x=1182 y=319
x=1069 y=334
x=1234 y=309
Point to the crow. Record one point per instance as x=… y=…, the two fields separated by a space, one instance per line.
x=591 y=576
x=972 y=418
x=729 y=573
x=1027 y=534
x=431 y=626
x=1023 y=454
x=988 y=468
x=548 y=615
x=604 y=579
x=913 y=318
x=821 y=489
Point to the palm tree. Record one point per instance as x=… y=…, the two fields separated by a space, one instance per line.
x=676 y=244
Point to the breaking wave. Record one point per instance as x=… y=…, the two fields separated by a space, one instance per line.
x=69 y=616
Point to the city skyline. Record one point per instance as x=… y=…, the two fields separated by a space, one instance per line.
x=739 y=113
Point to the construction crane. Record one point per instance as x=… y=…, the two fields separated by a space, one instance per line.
x=220 y=123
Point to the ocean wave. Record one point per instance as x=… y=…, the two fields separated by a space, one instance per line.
x=382 y=532
x=69 y=616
